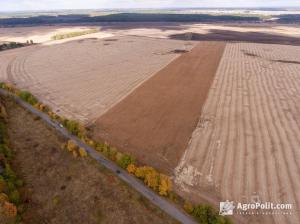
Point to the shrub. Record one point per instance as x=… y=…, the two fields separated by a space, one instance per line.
x=3 y=113
x=140 y=172
x=14 y=197
x=10 y=209
x=172 y=196
x=99 y=147
x=82 y=152
x=3 y=198
x=125 y=161
x=105 y=150
x=7 y=87
x=10 y=185
x=44 y=108
x=131 y=168
x=90 y=143
x=9 y=182
x=151 y=178
x=165 y=185
x=9 y=173
x=208 y=215
x=3 y=185
x=119 y=156
x=71 y=146
x=6 y=151
x=3 y=134
x=155 y=180
x=28 y=97
x=74 y=127
x=19 y=183
x=188 y=207
x=112 y=153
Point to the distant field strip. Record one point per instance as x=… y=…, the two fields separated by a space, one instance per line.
x=60 y=36
x=155 y=122
x=247 y=143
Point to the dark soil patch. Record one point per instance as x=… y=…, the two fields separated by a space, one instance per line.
x=179 y=51
x=235 y=36
x=287 y=61
x=110 y=39
x=250 y=54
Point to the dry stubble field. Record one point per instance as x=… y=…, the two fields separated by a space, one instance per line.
x=246 y=145
x=82 y=79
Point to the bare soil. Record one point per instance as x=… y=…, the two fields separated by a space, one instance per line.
x=62 y=189
x=155 y=122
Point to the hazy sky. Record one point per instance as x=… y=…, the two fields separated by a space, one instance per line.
x=12 y=5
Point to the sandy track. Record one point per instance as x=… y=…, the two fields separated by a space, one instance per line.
x=82 y=79
x=156 y=121
x=246 y=144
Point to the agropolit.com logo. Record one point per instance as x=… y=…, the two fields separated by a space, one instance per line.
x=265 y=208
x=226 y=207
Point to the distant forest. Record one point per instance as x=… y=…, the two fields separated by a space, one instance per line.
x=140 y=17
x=125 y=17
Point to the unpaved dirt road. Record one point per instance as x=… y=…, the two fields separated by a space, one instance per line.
x=155 y=122
x=246 y=145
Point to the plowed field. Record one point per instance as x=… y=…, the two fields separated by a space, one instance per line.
x=155 y=122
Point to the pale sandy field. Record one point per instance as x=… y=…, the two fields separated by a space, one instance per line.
x=165 y=30
x=43 y=34
x=246 y=145
x=84 y=78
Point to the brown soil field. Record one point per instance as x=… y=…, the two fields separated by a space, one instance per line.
x=246 y=144
x=155 y=122
x=62 y=189
x=84 y=78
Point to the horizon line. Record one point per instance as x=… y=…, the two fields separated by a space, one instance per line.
x=149 y=8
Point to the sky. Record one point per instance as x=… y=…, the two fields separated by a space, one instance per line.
x=20 y=5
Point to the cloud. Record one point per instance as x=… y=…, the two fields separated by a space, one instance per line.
x=13 y=5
